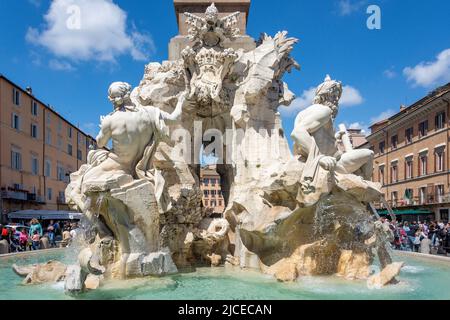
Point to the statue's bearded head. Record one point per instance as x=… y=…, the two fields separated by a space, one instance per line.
x=119 y=94
x=212 y=14
x=329 y=93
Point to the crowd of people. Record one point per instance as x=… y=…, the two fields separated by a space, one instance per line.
x=425 y=237
x=33 y=236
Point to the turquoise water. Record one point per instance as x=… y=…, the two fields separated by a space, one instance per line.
x=420 y=279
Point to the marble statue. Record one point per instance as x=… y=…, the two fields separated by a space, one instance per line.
x=287 y=215
x=316 y=141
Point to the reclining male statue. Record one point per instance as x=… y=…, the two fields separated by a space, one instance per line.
x=316 y=141
x=135 y=132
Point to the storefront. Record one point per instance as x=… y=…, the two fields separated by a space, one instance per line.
x=410 y=214
x=25 y=216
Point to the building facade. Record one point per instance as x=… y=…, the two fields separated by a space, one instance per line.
x=210 y=186
x=412 y=157
x=38 y=151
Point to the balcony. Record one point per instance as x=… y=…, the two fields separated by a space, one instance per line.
x=20 y=195
x=15 y=195
x=417 y=201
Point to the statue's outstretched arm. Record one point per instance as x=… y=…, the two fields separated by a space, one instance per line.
x=175 y=116
x=104 y=134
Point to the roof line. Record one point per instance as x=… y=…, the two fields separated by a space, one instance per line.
x=2 y=76
x=418 y=104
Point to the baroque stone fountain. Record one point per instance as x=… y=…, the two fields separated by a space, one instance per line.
x=287 y=215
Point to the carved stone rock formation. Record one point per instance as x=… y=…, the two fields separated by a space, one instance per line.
x=286 y=214
x=52 y=271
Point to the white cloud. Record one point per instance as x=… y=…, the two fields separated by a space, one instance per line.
x=350 y=97
x=358 y=125
x=60 y=65
x=429 y=73
x=300 y=103
x=390 y=73
x=82 y=30
x=382 y=116
x=347 y=7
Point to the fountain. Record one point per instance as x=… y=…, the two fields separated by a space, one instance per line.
x=289 y=217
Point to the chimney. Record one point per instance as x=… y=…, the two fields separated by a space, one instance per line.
x=29 y=90
x=402 y=107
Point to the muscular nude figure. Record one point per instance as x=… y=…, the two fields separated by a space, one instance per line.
x=314 y=126
x=132 y=129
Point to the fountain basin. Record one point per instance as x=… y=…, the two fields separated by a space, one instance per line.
x=421 y=278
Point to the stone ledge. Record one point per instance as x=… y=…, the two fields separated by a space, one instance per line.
x=33 y=252
x=423 y=256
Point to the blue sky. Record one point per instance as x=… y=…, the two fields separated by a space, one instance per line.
x=381 y=69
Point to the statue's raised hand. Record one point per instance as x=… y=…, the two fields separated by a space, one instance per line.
x=328 y=163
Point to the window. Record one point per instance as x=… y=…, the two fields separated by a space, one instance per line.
x=381 y=175
x=69 y=149
x=440 y=120
x=423 y=129
x=382 y=146
x=60 y=143
x=34 y=131
x=61 y=197
x=206 y=203
x=49 y=117
x=16 y=160
x=213 y=203
x=422 y=195
x=409 y=168
x=439 y=193
x=69 y=132
x=213 y=192
x=15 y=121
x=409 y=196
x=394 y=142
x=439 y=155
x=49 y=194
x=34 y=166
x=394 y=173
x=48 y=136
x=206 y=193
x=220 y=203
x=205 y=181
x=16 y=97
x=409 y=135
x=394 y=198
x=79 y=154
x=423 y=162
x=60 y=173
x=67 y=174
x=48 y=168
x=213 y=181
x=34 y=108
x=59 y=125
x=79 y=138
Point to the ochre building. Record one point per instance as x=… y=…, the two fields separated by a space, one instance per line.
x=38 y=150
x=412 y=157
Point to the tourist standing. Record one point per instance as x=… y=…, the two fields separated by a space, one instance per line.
x=51 y=234
x=23 y=239
x=36 y=226
x=14 y=240
x=36 y=240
